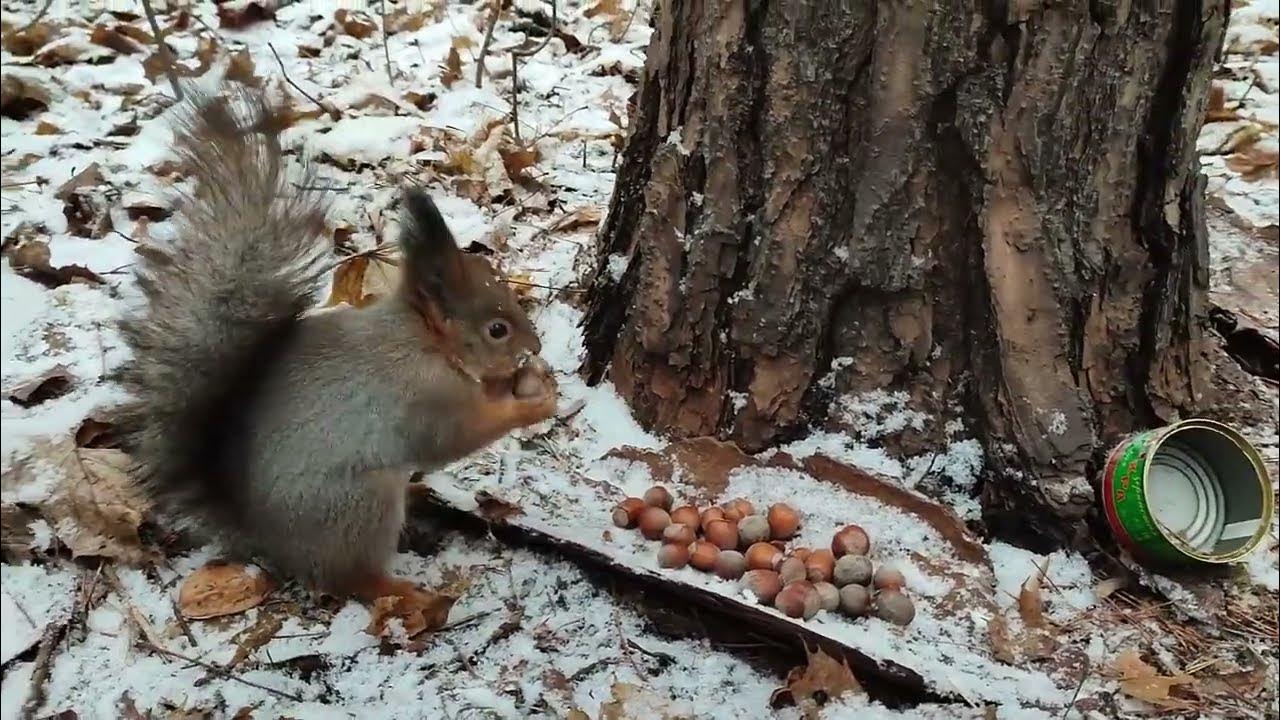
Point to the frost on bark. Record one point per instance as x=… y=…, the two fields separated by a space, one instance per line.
x=995 y=207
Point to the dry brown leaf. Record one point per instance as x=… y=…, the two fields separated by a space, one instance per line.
x=112 y=38
x=603 y=7
x=355 y=23
x=91 y=176
x=1003 y=648
x=588 y=216
x=1031 y=600
x=402 y=20
x=69 y=50
x=95 y=433
x=242 y=13
x=452 y=68
x=222 y=589
x=27 y=40
x=44 y=127
x=495 y=509
x=428 y=612
x=22 y=96
x=632 y=702
x=516 y=160
x=93 y=506
x=100 y=508
x=348 y=283
x=31 y=260
x=51 y=384
x=240 y=69
x=822 y=679
x=1141 y=681
x=1256 y=163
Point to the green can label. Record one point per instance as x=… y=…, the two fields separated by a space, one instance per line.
x=1129 y=498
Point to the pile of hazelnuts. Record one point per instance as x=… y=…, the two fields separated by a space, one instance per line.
x=735 y=543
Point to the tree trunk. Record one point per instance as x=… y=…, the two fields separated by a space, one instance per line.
x=995 y=207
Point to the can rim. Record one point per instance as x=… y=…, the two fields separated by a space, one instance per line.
x=1259 y=467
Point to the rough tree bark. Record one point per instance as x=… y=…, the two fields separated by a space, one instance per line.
x=995 y=206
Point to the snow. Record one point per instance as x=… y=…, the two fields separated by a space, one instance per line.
x=575 y=639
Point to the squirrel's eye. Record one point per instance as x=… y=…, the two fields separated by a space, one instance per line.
x=499 y=329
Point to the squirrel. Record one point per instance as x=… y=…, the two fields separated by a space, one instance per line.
x=291 y=435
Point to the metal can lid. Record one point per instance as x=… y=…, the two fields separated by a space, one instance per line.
x=1185 y=496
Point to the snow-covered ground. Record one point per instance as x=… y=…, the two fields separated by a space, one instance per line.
x=531 y=635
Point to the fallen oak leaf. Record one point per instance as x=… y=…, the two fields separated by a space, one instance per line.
x=220 y=589
x=452 y=68
x=1031 y=599
x=31 y=260
x=820 y=680
x=494 y=509
x=242 y=13
x=427 y=611
x=113 y=39
x=355 y=23
x=517 y=160
x=51 y=384
x=1141 y=681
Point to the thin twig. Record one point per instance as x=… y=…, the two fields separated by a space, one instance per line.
x=166 y=57
x=488 y=38
x=550 y=33
x=515 y=96
x=386 y=50
x=1084 y=675
x=44 y=660
x=220 y=671
x=328 y=111
x=44 y=10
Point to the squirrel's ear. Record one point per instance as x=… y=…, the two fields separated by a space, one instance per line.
x=433 y=271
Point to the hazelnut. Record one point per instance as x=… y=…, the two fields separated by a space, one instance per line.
x=627 y=512
x=653 y=520
x=763 y=584
x=792 y=570
x=798 y=600
x=819 y=565
x=678 y=534
x=711 y=513
x=673 y=556
x=888 y=577
x=724 y=533
x=657 y=496
x=763 y=556
x=730 y=564
x=852 y=570
x=742 y=506
x=702 y=555
x=731 y=513
x=752 y=529
x=854 y=600
x=801 y=552
x=850 y=540
x=894 y=606
x=687 y=515
x=828 y=596
x=783 y=521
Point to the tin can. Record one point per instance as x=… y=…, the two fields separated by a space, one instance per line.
x=1192 y=492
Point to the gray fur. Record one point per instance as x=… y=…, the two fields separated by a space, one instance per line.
x=288 y=436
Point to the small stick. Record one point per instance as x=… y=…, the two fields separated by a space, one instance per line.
x=219 y=671
x=1084 y=675
x=53 y=633
x=515 y=96
x=165 y=56
x=545 y=40
x=330 y=112
x=488 y=38
x=386 y=51
x=39 y=16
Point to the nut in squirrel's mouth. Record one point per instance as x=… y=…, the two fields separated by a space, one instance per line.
x=532 y=381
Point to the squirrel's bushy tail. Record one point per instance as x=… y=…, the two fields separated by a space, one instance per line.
x=220 y=306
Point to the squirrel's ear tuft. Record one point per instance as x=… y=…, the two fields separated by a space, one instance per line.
x=433 y=270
